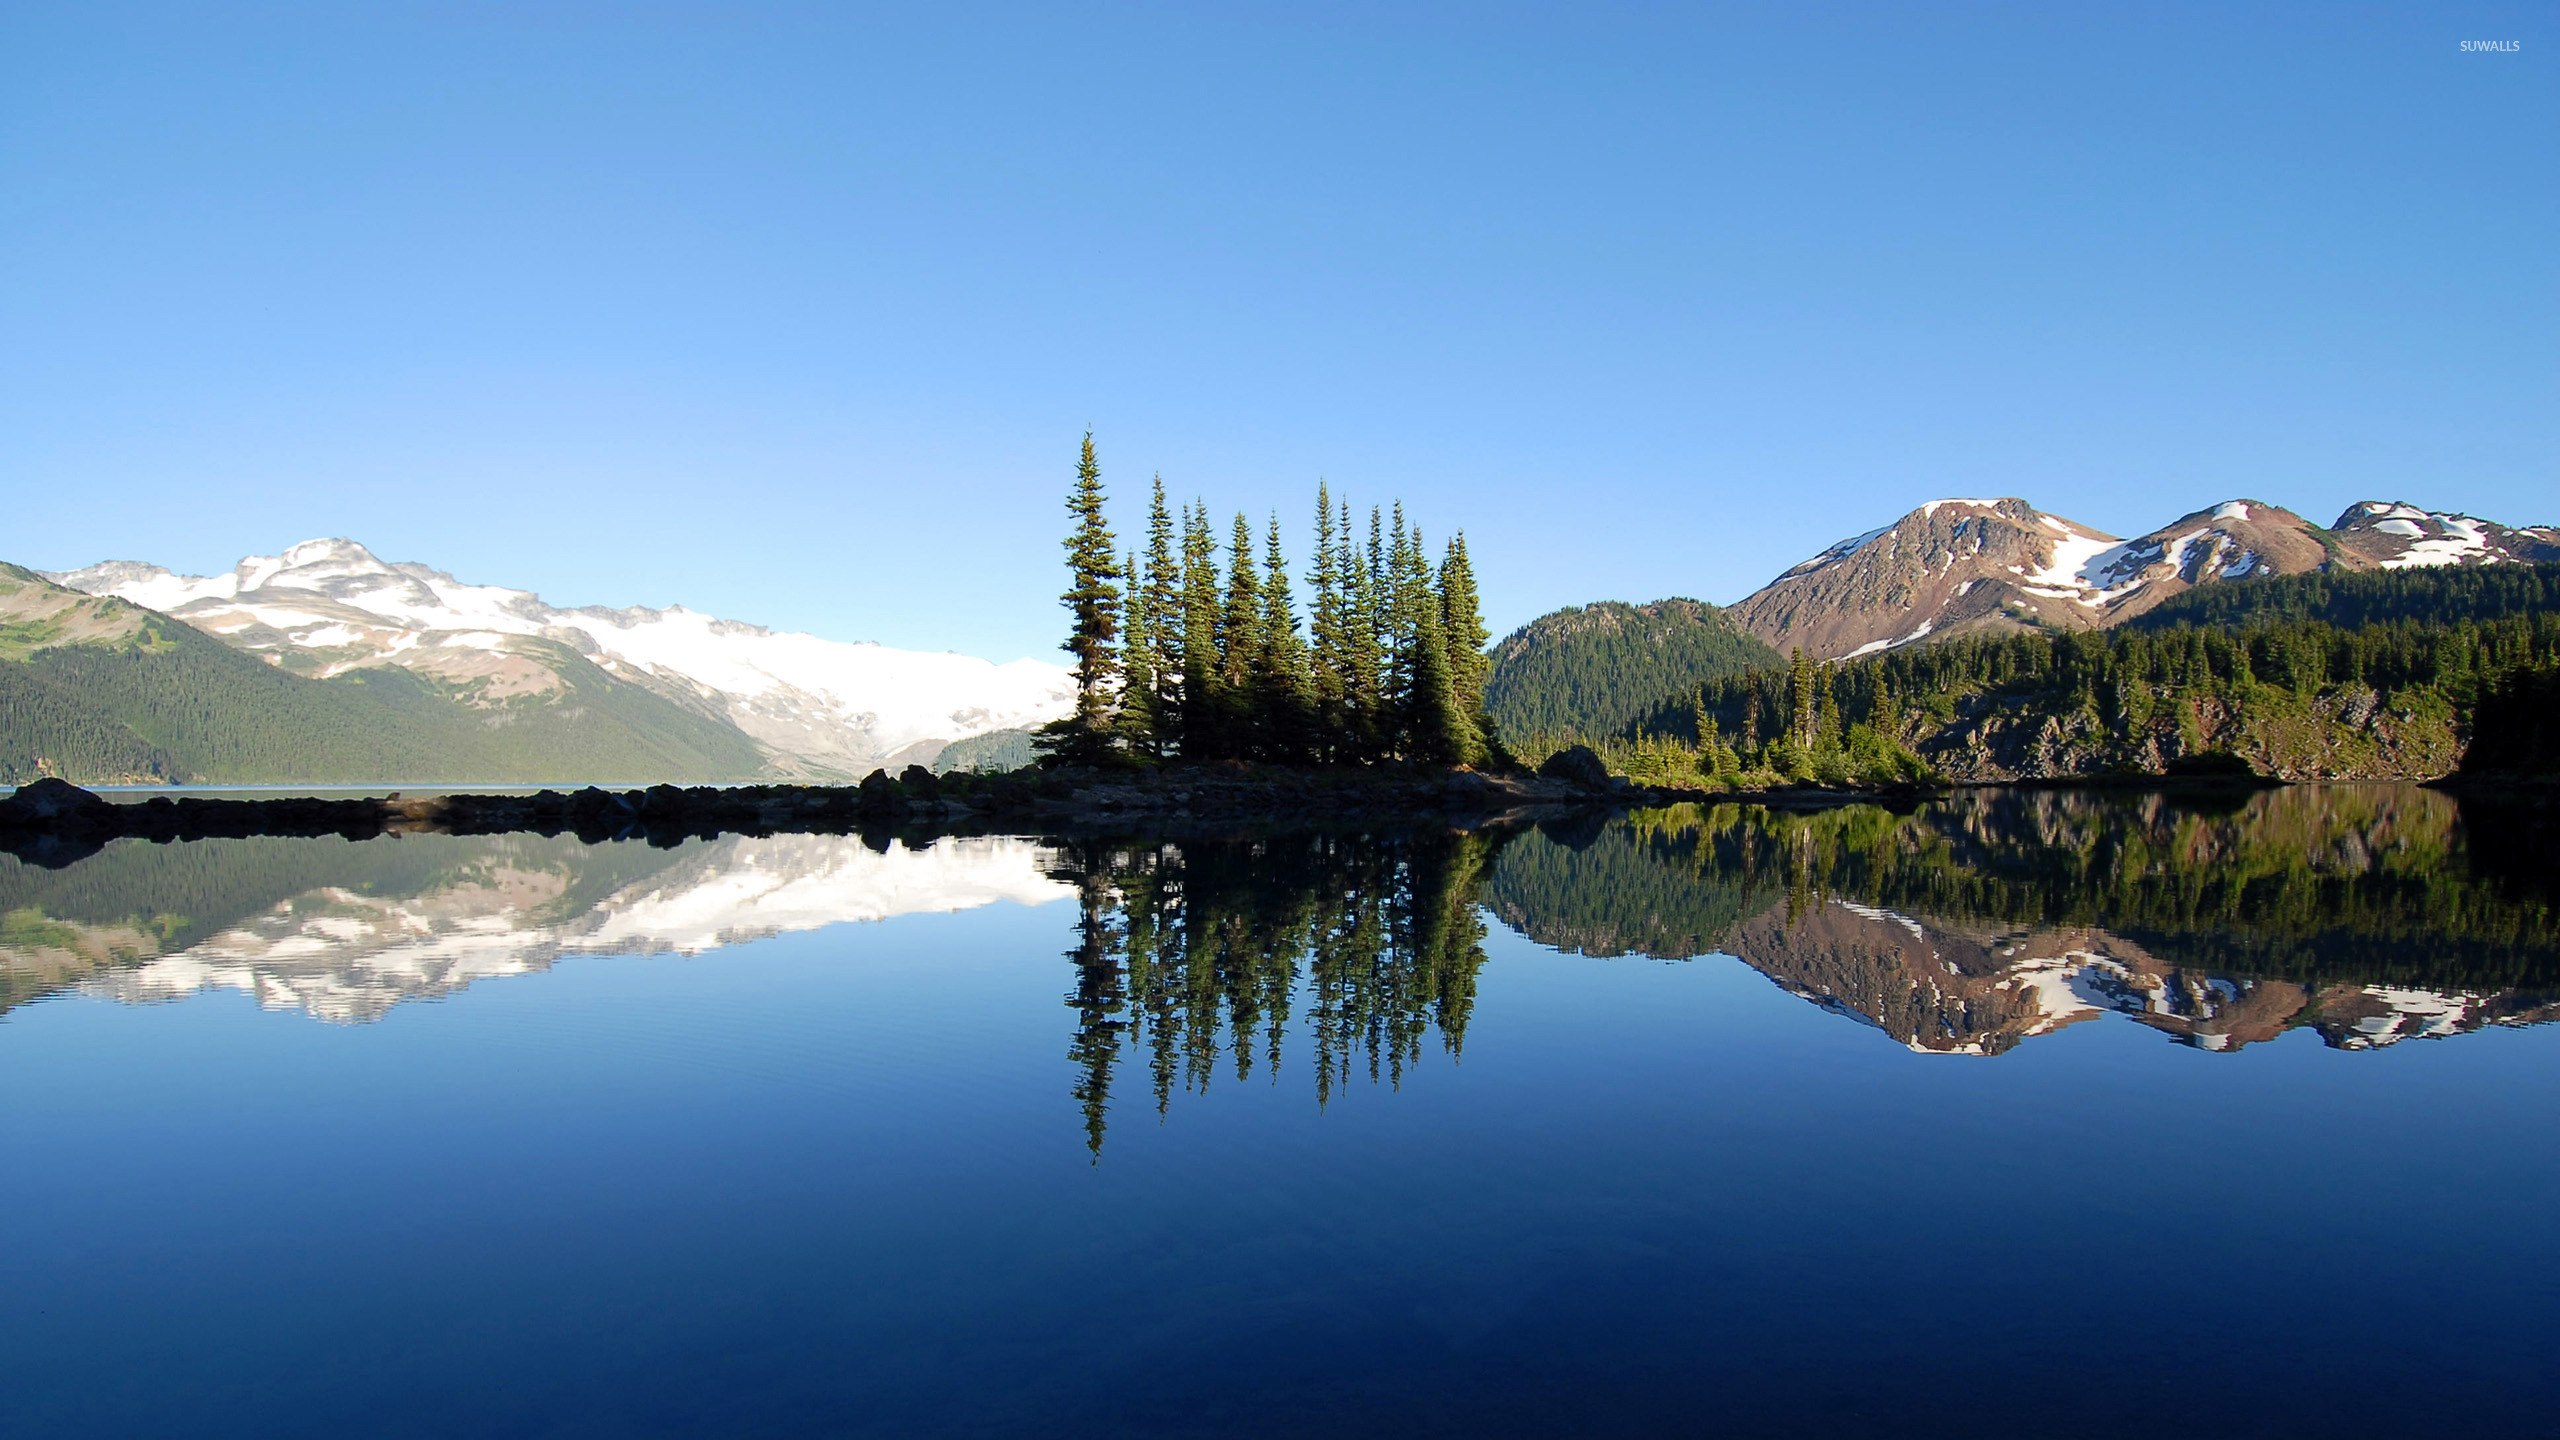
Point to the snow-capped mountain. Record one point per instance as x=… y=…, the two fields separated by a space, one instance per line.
x=820 y=708
x=2398 y=536
x=1955 y=567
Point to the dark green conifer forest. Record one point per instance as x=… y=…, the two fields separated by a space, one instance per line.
x=2320 y=659
x=169 y=704
x=1584 y=672
x=1189 y=650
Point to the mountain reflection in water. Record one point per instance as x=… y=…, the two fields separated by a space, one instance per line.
x=2367 y=914
x=345 y=930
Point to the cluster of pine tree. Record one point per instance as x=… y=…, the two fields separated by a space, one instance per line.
x=2119 y=675
x=1178 y=656
x=1787 y=725
x=1859 y=717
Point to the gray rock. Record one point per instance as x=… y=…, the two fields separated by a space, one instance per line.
x=1578 y=765
x=51 y=799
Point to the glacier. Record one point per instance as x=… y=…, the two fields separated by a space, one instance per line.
x=824 y=709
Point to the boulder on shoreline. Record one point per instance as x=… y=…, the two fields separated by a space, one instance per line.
x=1576 y=765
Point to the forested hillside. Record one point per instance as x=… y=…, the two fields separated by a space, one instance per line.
x=2441 y=596
x=100 y=691
x=2388 y=695
x=997 y=751
x=2515 y=732
x=1591 y=669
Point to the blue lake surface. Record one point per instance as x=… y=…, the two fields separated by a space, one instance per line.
x=803 y=1136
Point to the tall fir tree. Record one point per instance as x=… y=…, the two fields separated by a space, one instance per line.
x=1240 y=642
x=1284 y=688
x=1827 y=732
x=1203 y=686
x=1188 y=648
x=1087 y=735
x=1137 y=722
x=1411 y=612
x=1367 y=632
x=1803 y=714
x=1462 y=628
x=1163 y=584
x=1436 y=732
x=1329 y=658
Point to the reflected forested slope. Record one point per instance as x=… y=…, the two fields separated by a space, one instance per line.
x=2000 y=914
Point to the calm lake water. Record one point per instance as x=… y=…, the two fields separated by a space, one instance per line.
x=2033 y=1113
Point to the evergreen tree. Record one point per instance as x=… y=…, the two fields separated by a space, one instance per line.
x=1414 y=703
x=1464 y=635
x=1240 y=644
x=1182 y=650
x=1329 y=664
x=1284 y=699
x=1436 y=731
x=1802 y=716
x=2134 y=698
x=1203 y=687
x=1364 y=651
x=1138 y=723
x=1163 y=583
x=1087 y=735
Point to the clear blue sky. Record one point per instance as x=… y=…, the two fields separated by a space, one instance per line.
x=795 y=314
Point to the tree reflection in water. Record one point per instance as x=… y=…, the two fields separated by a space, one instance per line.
x=2366 y=914
x=1194 y=955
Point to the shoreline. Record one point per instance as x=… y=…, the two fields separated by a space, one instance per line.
x=52 y=823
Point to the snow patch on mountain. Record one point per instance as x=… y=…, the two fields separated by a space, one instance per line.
x=824 y=707
x=2461 y=540
x=2395 y=535
x=2079 y=565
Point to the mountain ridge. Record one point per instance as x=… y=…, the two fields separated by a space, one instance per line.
x=817 y=709
x=98 y=688
x=1975 y=566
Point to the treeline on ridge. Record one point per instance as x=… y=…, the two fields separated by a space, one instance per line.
x=2421 y=649
x=1178 y=657
x=167 y=703
x=1587 y=670
x=2440 y=595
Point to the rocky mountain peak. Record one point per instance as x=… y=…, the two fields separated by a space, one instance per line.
x=309 y=562
x=2393 y=535
x=1970 y=566
x=1949 y=566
